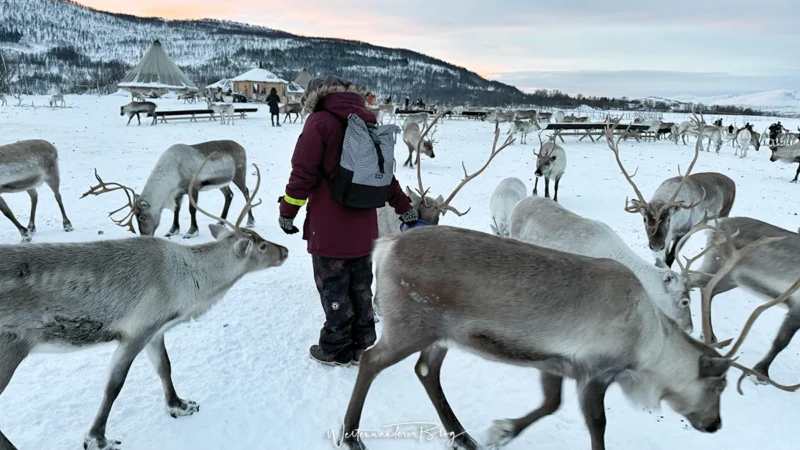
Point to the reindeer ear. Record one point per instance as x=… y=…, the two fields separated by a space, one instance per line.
x=634 y=203
x=217 y=230
x=440 y=199
x=553 y=158
x=714 y=366
x=413 y=195
x=242 y=248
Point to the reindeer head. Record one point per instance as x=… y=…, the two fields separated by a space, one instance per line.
x=677 y=289
x=698 y=396
x=774 y=155
x=546 y=158
x=656 y=214
x=250 y=248
x=428 y=209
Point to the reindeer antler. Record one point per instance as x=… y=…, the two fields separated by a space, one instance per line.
x=247 y=207
x=422 y=191
x=697 y=147
x=614 y=146
x=103 y=187
x=469 y=177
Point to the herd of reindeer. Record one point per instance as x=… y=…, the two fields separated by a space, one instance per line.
x=610 y=318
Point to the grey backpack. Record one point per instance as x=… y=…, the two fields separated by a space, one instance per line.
x=366 y=168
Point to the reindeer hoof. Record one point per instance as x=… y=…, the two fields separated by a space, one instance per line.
x=68 y=227
x=185 y=408
x=502 y=432
x=101 y=443
x=26 y=237
x=31 y=228
x=756 y=380
x=465 y=442
x=352 y=443
x=191 y=234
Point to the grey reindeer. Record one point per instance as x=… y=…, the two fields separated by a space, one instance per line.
x=766 y=271
x=541 y=221
x=430 y=209
x=522 y=304
x=24 y=166
x=169 y=182
x=679 y=203
x=551 y=163
x=415 y=141
x=71 y=296
x=788 y=154
x=135 y=108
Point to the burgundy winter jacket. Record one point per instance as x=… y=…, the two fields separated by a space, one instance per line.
x=331 y=229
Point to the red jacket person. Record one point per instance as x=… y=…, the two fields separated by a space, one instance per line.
x=339 y=237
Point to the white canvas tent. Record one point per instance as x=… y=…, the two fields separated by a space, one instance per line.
x=157 y=71
x=303 y=78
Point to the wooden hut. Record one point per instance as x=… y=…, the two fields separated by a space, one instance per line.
x=256 y=83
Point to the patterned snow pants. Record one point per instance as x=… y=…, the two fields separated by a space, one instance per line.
x=345 y=288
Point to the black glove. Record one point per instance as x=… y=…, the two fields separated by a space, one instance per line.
x=409 y=217
x=287 y=225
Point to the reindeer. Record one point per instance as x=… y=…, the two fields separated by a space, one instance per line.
x=499 y=116
x=58 y=101
x=131 y=291
x=137 y=96
x=170 y=180
x=504 y=199
x=551 y=162
x=787 y=155
x=523 y=127
x=3 y=100
x=541 y=221
x=543 y=117
x=413 y=139
x=664 y=128
x=583 y=119
x=296 y=109
x=224 y=110
x=503 y=304
x=530 y=114
x=679 y=203
x=386 y=109
x=188 y=97
x=135 y=108
x=429 y=209
x=758 y=257
x=743 y=139
x=24 y=166
x=420 y=118
x=558 y=117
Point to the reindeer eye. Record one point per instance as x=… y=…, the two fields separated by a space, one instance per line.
x=263 y=247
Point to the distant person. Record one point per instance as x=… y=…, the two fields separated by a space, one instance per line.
x=406 y=104
x=273 y=100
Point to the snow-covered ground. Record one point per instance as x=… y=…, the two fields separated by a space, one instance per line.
x=246 y=361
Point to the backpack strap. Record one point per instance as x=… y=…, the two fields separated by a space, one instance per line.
x=375 y=139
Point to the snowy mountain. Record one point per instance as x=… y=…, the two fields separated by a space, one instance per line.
x=776 y=101
x=61 y=45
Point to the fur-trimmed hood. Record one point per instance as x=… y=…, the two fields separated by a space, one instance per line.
x=318 y=88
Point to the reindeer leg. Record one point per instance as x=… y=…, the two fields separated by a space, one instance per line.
x=176 y=228
x=157 y=353
x=408 y=162
x=34 y=201
x=130 y=117
x=228 y=193
x=428 y=369
x=547 y=187
x=26 y=235
x=193 y=217
x=787 y=331
x=54 y=182
x=592 y=400
x=121 y=363
x=239 y=181
x=138 y=119
x=555 y=196
x=535 y=185
x=670 y=257
x=796 y=173
x=504 y=431
x=12 y=352
x=385 y=353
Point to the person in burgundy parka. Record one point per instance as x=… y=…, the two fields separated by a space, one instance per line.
x=339 y=237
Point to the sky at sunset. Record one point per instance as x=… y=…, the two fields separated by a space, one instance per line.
x=624 y=47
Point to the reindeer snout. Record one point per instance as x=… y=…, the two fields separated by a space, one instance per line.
x=656 y=246
x=284 y=252
x=538 y=173
x=432 y=155
x=714 y=426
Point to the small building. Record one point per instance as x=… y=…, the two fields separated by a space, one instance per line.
x=156 y=73
x=258 y=82
x=303 y=78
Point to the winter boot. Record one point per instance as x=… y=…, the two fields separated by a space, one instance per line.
x=321 y=357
